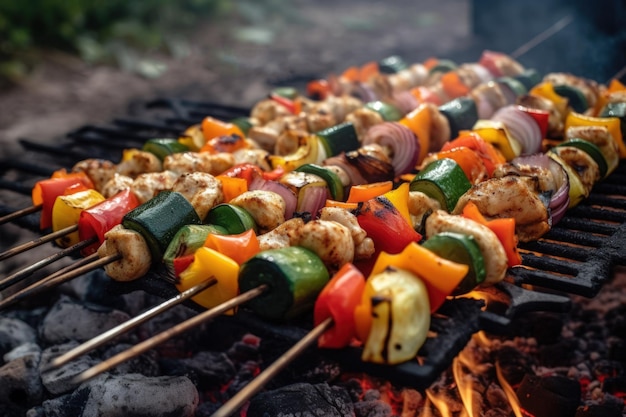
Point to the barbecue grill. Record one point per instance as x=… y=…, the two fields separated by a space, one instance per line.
x=577 y=256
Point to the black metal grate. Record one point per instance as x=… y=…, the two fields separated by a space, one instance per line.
x=577 y=256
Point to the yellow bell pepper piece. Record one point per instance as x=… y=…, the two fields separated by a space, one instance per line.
x=498 y=135
x=309 y=152
x=419 y=122
x=611 y=123
x=440 y=275
x=546 y=90
x=193 y=138
x=401 y=316
x=209 y=263
x=400 y=200
x=66 y=212
x=577 y=191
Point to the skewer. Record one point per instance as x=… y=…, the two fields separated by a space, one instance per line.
x=57 y=279
x=168 y=334
x=37 y=242
x=543 y=36
x=19 y=213
x=24 y=273
x=128 y=325
x=232 y=405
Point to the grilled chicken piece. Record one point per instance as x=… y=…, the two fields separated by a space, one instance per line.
x=146 y=186
x=257 y=157
x=490 y=247
x=405 y=79
x=267 y=208
x=330 y=240
x=184 y=162
x=267 y=110
x=544 y=176
x=489 y=97
x=281 y=236
x=363 y=245
x=264 y=136
x=338 y=106
x=139 y=162
x=583 y=164
x=116 y=184
x=362 y=119
x=136 y=259
x=511 y=196
x=99 y=171
x=439 y=128
x=419 y=206
x=202 y=190
x=319 y=121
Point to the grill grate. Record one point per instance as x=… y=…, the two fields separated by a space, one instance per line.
x=577 y=256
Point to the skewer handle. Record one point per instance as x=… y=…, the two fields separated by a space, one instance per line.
x=232 y=405
x=159 y=338
x=128 y=325
x=37 y=242
x=19 y=213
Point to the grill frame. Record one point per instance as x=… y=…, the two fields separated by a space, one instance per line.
x=598 y=224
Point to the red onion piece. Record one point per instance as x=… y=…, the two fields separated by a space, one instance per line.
x=312 y=198
x=402 y=141
x=522 y=127
x=356 y=178
x=405 y=101
x=363 y=92
x=291 y=201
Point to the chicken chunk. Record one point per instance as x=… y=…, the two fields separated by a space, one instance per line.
x=282 y=236
x=362 y=119
x=511 y=196
x=184 y=162
x=116 y=184
x=419 y=206
x=99 y=171
x=147 y=186
x=583 y=164
x=602 y=138
x=490 y=247
x=136 y=259
x=331 y=241
x=257 y=157
x=139 y=162
x=363 y=245
x=266 y=207
x=202 y=190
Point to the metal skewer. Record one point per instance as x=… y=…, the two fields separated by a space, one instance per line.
x=168 y=334
x=232 y=405
x=37 y=242
x=56 y=279
x=543 y=36
x=19 y=213
x=128 y=325
x=24 y=273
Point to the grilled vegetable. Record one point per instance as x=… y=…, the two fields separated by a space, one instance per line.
x=66 y=212
x=337 y=139
x=461 y=114
x=159 y=219
x=239 y=247
x=164 y=147
x=333 y=182
x=338 y=300
x=295 y=277
x=188 y=239
x=400 y=316
x=442 y=180
x=232 y=218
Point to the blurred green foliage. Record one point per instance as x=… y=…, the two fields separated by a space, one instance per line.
x=98 y=30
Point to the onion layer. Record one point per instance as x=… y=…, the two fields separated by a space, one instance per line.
x=522 y=126
x=291 y=201
x=312 y=198
x=404 y=145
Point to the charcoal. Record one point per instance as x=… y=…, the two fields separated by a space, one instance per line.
x=552 y=396
x=598 y=410
x=302 y=399
x=144 y=364
x=70 y=320
x=26 y=349
x=210 y=368
x=128 y=395
x=20 y=386
x=13 y=333
x=58 y=381
x=372 y=409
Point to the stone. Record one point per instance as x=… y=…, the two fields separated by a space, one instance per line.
x=13 y=333
x=58 y=381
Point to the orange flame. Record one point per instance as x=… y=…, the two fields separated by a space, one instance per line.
x=508 y=390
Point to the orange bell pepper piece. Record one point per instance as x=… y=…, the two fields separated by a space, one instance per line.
x=469 y=161
x=504 y=228
x=232 y=186
x=418 y=121
x=440 y=275
x=239 y=247
x=212 y=127
x=490 y=156
x=453 y=85
x=364 y=192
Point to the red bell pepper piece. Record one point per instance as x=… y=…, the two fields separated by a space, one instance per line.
x=338 y=300
x=45 y=192
x=249 y=172
x=504 y=228
x=384 y=223
x=540 y=116
x=181 y=263
x=101 y=218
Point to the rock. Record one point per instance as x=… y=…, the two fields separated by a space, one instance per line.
x=128 y=395
x=20 y=386
x=13 y=333
x=58 y=381
x=70 y=320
